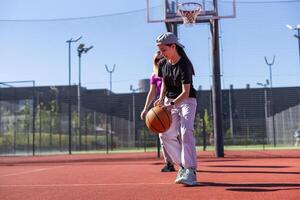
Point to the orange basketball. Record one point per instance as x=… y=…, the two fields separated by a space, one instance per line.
x=158 y=119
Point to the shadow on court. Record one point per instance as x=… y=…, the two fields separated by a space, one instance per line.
x=251 y=187
x=247 y=172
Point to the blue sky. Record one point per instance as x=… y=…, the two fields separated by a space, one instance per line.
x=36 y=50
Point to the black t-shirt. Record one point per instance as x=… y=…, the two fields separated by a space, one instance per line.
x=176 y=75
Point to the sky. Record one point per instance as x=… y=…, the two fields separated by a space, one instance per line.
x=33 y=35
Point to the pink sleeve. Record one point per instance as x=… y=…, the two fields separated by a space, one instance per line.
x=152 y=79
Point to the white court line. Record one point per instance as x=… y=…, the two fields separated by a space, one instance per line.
x=31 y=171
x=84 y=185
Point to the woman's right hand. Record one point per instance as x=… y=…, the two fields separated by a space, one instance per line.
x=143 y=114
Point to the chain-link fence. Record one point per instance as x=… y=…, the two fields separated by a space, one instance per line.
x=285 y=124
x=36 y=123
x=98 y=131
x=47 y=130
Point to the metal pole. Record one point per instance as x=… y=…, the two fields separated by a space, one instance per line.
x=230 y=113
x=133 y=118
x=33 y=120
x=266 y=113
x=110 y=110
x=216 y=92
x=129 y=127
x=106 y=121
x=133 y=112
x=265 y=107
x=110 y=75
x=69 y=102
x=270 y=64
x=79 y=101
x=110 y=84
x=298 y=37
x=70 y=96
x=40 y=121
x=80 y=49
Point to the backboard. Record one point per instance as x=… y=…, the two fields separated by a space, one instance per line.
x=167 y=10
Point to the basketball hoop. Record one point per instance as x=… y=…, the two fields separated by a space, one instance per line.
x=189 y=11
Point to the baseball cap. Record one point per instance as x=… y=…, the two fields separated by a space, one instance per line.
x=168 y=38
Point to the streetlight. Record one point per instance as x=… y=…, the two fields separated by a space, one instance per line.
x=133 y=111
x=110 y=91
x=297 y=28
x=270 y=64
x=266 y=102
x=265 y=85
x=70 y=41
x=110 y=76
x=80 y=49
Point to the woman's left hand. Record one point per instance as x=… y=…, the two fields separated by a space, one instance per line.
x=169 y=107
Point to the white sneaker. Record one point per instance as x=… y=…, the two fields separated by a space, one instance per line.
x=189 y=177
x=180 y=174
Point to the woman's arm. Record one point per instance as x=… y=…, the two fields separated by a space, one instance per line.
x=184 y=94
x=160 y=100
x=150 y=97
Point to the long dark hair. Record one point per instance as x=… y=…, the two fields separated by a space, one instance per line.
x=182 y=53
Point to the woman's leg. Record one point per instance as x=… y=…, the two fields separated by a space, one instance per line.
x=169 y=165
x=188 y=152
x=167 y=157
x=170 y=141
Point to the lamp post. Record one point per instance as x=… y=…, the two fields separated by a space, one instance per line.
x=133 y=111
x=266 y=104
x=230 y=113
x=270 y=64
x=110 y=76
x=80 y=49
x=297 y=28
x=70 y=41
x=110 y=111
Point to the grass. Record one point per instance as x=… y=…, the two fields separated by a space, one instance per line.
x=24 y=145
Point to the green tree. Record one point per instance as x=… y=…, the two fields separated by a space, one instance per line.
x=198 y=126
x=208 y=122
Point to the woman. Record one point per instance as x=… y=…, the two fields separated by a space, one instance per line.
x=155 y=85
x=179 y=96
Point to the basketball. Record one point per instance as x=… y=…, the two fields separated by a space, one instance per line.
x=158 y=119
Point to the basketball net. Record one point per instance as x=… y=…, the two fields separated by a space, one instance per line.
x=189 y=11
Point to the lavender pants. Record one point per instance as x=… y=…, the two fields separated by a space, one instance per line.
x=178 y=140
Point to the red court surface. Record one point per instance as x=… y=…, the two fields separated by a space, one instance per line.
x=240 y=175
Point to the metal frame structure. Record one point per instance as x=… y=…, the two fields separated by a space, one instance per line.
x=81 y=50
x=7 y=83
x=172 y=19
x=70 y=41
x=172 y=16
